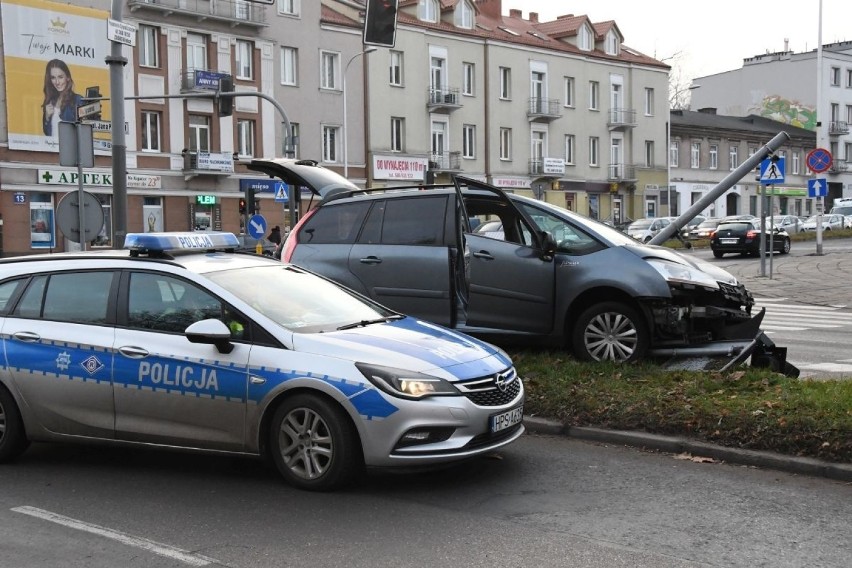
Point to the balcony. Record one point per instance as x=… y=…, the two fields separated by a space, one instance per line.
x=233 y=12
x=207 y=163
x=543 y=110
x=194 y=80
x=621 y=172
x=621 y=118
x=838 y=128
x=838 y=167
x=445 y=162
x=443 y=99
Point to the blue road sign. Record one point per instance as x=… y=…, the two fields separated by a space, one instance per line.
x=261 y=185
x=817 y=187
x=281 y=193
x=257 y=226
x=772 y=171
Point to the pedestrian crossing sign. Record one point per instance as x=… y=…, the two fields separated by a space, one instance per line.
x=281 y=192
x=772 y=171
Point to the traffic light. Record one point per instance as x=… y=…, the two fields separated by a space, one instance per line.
x=242 y=206
x=249 y=204
x=380 y=23
x=226 y=103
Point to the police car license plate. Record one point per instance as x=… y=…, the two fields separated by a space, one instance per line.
x=506 y=419
x=728 y=241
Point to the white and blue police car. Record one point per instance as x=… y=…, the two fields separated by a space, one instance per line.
x=180 y=341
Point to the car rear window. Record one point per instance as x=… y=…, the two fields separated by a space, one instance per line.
x=335 y=224
x=742 y=226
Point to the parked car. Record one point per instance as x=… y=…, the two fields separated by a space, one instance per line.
x=643 y=230
x=842 y=206
x=744 y=217
x=704 y=229
x=691 y=225
x=179 y=342
x=551 y=276
x=744 y=237
x=249 y=244
x=831 y=221
x=790 y=223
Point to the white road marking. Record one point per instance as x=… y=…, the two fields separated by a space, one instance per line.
x=781 y=316
x=137 y=542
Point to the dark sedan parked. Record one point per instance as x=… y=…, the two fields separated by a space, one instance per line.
x=743 y=237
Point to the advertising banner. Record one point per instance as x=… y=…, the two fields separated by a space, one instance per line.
x=53 y=54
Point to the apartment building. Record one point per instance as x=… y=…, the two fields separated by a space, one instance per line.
x=784 y=86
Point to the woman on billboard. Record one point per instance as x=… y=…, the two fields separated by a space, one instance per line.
x=60 y=100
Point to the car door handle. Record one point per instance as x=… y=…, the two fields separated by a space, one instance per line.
x=483 y=254
x=371 y=260
x=133 y=352
x=26 y=336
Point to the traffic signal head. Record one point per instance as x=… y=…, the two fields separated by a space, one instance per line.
x=226 y=103
x=380 y=23
x=242 y=206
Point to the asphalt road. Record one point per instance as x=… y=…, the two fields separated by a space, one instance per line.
x=544 y=501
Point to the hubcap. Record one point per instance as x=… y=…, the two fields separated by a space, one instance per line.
x=305 y=443
x=611 y=336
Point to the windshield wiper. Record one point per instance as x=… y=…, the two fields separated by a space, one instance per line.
x=364 y=323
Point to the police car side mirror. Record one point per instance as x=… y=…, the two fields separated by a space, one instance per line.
x=210 y=331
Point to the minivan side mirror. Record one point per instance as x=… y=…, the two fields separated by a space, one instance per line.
x=548 y=244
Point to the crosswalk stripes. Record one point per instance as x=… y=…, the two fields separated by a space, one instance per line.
x=782 y=315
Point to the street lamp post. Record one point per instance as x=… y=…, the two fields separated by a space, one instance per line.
x=345 y=133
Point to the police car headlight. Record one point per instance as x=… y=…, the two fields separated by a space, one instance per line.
x=406 y=384
x=680 y=273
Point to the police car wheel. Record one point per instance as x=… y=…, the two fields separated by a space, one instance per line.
x=13 y=439
x=610 y=331
x=314 y=444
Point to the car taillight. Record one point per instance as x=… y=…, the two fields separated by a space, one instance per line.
x=293 y=237
x=751 y=234
x=711 y=234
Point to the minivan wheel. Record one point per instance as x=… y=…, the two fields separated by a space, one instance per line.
x=786 y=248
x=314 y=444
x=610 y=331
x=13 y=438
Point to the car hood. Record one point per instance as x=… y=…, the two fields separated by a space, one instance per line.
x=664 y=253
x=410 y=344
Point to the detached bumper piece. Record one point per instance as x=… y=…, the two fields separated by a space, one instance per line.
x=765 y=355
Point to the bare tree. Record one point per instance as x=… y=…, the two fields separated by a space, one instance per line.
x=679 y=95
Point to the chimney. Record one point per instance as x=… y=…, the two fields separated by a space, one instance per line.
x=515 y=13
x=786 y=44
x=491 y=8
x=534 y=17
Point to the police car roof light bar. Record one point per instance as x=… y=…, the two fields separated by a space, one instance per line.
x=180 y=241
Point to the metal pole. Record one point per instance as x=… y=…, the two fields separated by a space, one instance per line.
x=116 y=63
x=345 y=132
x=669 y=162
x=723 y=186
x=820 y=129
x=80 y=201
x=762 y=196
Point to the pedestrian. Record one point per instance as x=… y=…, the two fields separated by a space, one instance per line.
x=275 y=235
x=60 y=100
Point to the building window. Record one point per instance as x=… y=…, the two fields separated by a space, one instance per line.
x=289 y=66
x=464 y=15
x=42 y=228
x=569 y=91
x=243 y=57
x=674 y=154
x=584 y=38
x=594 y=150
x=469 y=141
x=796 y=165
x=396 y=68
x=570 y=141
x=734 y=155
x=649 y=153
x=611 y=45
x=242 y=9
x=427 y=10
x=714 y=157
x=330 y=136
x=196 y=52
x=288 y=7
x=835 y=76
x=505 y=83
x=245 y=137
x=695 y=155
x=397 y=134
x=149 y=51
x=150 y=131
x=467 y=78
x=329 y=69
x=505 y=143
x=594 y=94
x=649 y=102
x=849 y=114
x=199 y=133
x=294 y=139
x=849 y=78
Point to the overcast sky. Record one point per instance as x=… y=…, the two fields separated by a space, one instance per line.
x=710 y=37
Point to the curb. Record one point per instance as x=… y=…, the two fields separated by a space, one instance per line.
x=679 y=445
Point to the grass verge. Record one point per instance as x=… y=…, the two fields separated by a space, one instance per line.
x=746 y=408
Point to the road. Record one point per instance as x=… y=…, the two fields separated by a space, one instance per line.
x=544 y=501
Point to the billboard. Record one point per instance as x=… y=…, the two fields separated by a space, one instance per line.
x=53 y=54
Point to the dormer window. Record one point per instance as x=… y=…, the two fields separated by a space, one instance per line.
x=611 y=44
x=584 y=38
x=464 y=15
x=428 y=10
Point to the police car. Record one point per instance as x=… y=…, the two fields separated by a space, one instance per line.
x=179 y=341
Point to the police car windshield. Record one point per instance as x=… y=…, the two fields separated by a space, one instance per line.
x=295 y=299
